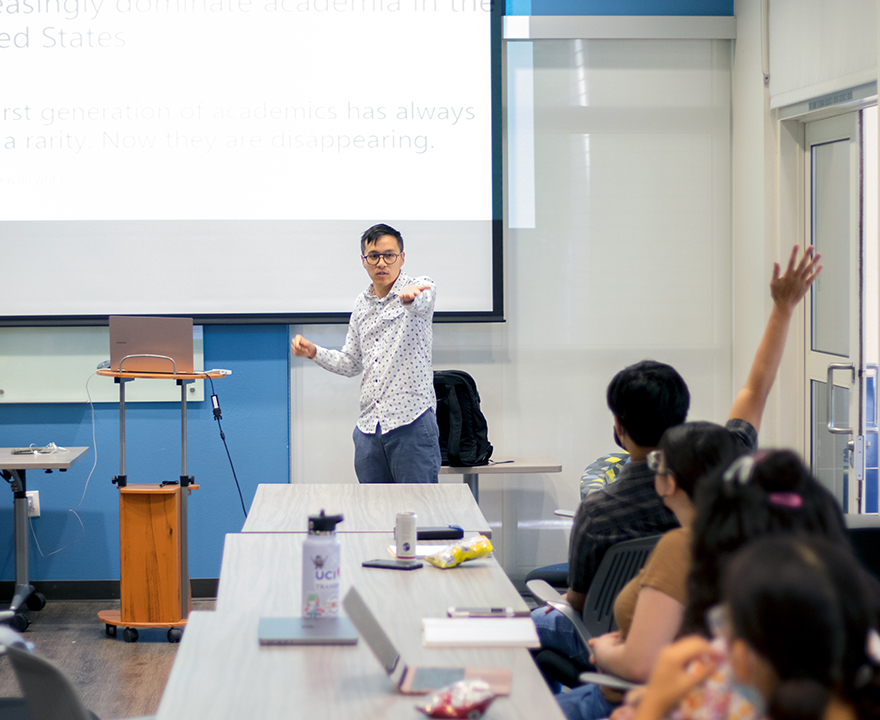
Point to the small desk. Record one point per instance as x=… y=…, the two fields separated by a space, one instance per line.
x=502 y=466
x=14 y=468
x=285 y=507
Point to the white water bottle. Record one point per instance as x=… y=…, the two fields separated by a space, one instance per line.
x=320 y=576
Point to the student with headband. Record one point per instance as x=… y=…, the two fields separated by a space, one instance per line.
x=769 y=493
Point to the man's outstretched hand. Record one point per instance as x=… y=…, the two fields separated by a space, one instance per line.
x=411 y=292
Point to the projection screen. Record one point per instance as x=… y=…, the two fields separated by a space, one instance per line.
x=221 y=158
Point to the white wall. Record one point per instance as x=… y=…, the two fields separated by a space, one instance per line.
x=629 y=259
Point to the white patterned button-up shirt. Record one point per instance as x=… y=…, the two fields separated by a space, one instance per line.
x=391 y=344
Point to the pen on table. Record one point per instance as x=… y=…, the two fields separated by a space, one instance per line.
x=487 y=612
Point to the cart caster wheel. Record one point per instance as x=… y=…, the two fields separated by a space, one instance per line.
x=110 y=630
x=19 y=622
x=36 y=601
x=174 y=634
x=130 y=635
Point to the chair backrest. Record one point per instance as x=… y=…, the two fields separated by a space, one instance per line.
x=48 y=692
x=619 y=565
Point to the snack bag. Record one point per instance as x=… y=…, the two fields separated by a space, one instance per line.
x=456 y=554
x=465 y=699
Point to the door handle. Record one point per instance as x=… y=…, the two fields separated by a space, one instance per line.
x=829 y=403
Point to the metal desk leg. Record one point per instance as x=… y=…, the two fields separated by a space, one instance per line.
x=472 y=480
x=23 y=588
x=185 y=481
x=121 y=480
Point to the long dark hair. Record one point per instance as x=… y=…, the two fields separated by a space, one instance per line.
x=770 y=492
x=695 y=449
x=809 y=609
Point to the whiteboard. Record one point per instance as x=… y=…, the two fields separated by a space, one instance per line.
x=54 y=365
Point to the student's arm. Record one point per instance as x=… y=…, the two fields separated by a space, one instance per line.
x=655 y=624
x=787 y=290
x=576 y=599
x=584 y=554
x=680 y=668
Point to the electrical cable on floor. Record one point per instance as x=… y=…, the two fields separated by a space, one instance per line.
x=215 y=405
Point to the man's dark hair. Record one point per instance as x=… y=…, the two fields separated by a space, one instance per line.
x=647 y=398
x=373 y=234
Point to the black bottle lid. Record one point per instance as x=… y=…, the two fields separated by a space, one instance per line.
x=324 y=523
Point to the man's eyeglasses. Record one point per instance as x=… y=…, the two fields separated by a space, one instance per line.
x=389 y=258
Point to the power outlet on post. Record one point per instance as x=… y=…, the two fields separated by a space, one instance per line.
x=33 y=499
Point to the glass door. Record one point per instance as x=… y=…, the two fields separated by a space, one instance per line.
x=837 y=353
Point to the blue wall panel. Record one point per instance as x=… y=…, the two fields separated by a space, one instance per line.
x=254 y=400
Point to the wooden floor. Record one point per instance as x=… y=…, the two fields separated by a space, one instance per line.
x=116 y=679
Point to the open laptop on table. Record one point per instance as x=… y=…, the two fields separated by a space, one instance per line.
x=409 y=679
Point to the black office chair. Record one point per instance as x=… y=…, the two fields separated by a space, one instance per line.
x=864 y=534
x=619 y=565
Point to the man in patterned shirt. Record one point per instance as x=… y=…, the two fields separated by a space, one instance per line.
x=389 y=340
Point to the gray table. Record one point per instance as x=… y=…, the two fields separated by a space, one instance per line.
x=14 y=468
x=505 y=465
x=285 y=507
x=221 y=671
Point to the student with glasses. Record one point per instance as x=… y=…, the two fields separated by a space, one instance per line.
x=389 y=340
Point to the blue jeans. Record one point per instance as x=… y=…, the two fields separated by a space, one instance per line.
x=557 y=633
x=585 y=702
x=407 y=454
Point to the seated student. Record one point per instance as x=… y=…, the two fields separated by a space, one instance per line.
x=627 y=508
x=799 y=633
x=650 y=608
x=645 y=399
x=767 y=493
x=770 y=492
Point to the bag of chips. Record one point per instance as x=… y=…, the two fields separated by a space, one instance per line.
x=452 y=555
x=465 y=699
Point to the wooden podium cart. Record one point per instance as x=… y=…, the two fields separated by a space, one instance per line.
x=153 y=551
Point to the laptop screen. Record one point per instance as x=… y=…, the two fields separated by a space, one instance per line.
x=373 y=634
x=145 y=344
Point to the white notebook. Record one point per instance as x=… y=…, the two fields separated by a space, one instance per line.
x=479 y=632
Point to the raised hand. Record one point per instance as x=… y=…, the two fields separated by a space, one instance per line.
x=788 y=289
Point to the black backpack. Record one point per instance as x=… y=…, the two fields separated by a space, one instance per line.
x=464 y=435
